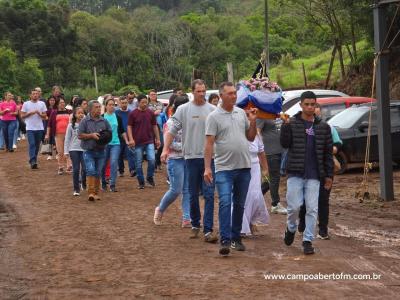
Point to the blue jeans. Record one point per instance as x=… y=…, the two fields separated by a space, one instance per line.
x=34 y=140
x=186 y=196
x=127 y=154
x=232 y=187
x=16 y=133
x=151 y=161
x=195 y=168
x=94 y=162
x=176 y=174
x=284 y=162
x=8 y=132
x=299 y=191
x=112 y=154
x=1 y=135
x=78 y=169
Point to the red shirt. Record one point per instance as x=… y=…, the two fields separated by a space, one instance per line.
x=142 y=123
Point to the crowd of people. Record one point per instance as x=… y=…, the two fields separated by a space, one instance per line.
x=207 y=145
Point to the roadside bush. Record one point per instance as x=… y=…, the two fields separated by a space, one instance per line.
x=286 y=60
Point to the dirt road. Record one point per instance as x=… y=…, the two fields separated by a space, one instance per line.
x=55 y=246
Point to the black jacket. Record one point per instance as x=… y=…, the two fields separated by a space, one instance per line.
x=293 y=137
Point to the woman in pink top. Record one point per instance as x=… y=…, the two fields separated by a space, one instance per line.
x=8 y=113
x=57 y=127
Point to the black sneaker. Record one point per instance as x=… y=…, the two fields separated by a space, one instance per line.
x=302 y=226
x=133 y=173
x=237 y=245
x=113 y=189
x=150 y=181
x=289 y=237
x=141 y=185
x=323 y=235
x=34 y=166
x=308 y=248
x=104 y=187
x=224 y=249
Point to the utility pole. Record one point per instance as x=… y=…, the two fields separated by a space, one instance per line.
x=383 y=102
x=266 y=35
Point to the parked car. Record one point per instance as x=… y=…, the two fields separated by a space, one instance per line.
x=208 y=93
x=290 y=98
x=164 y=96
x=352 y=126
x=332 y=106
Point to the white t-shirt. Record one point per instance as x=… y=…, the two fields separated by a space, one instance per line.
x=34 y=122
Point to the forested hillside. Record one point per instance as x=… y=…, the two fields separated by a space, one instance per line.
x=146 y=44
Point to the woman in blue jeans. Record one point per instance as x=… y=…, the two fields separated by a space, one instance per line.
x=178 y=175
x=113 y=148
x=8 y=113
x=72 y=147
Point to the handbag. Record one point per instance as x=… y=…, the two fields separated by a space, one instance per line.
x=46 y=149
x=265 y=185
x=104 y=138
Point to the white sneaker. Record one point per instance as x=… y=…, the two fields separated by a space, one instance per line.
x=76 y=194
x=23 y=137
x=14 y=146
x=49 y=158
x=18 y=139
x=157 y=216
x=278 y=209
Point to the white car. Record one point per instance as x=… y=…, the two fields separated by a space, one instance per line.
x=290 y=98
x=164 y=96
x=208 y=93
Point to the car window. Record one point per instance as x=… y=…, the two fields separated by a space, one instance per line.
x=289 y=103
x=395 y=116
x=365 y=118
x=294 y=109
x=328 y=111
x=348 y=117
x=164 y=95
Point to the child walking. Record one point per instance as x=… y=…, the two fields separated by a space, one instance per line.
x=73 y=149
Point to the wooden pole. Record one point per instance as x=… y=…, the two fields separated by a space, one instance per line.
x=266 y=35
x=304 y=75
x=95 y=79
x=229 y=68
x=328 y=77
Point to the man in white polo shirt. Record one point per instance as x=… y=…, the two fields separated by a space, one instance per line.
x=34 y=112
x=230 y=129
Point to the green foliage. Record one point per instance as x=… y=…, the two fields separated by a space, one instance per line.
x=316 y=69
x=128 y=88
x=16 y=76
x=8 y=67
x=89 y=93
x=365 y=56
x=286 y=60
x=29 y=73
